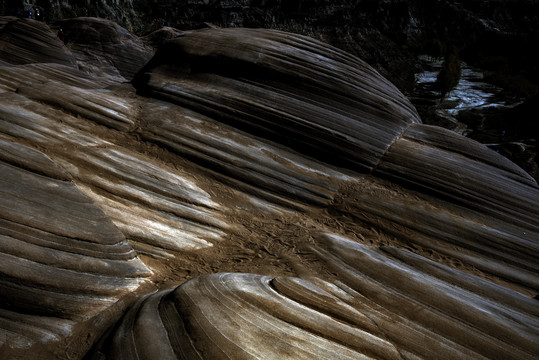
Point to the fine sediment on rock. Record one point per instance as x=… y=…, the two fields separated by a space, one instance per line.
x=296 y=190
x=495 y=213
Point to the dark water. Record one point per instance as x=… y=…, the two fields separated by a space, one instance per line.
x=483 y=107
x=472 y=92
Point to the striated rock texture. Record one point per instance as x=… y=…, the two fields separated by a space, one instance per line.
x=250 y=194
x=63 y=262
x=389 y=304
x=241 y=83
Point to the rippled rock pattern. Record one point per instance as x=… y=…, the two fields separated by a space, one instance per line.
x=285 y=316
x=62 y=258
x=390 y=304
x=241 y=82
x=252 y=194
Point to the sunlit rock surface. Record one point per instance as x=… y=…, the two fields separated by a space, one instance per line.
x=253 y=194
x=388 y=304
x=63 y=261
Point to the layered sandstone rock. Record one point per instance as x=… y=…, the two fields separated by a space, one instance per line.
x=281 y=198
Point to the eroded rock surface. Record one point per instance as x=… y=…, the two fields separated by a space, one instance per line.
x=284 y=87
x=254 y=194
x=63 y=261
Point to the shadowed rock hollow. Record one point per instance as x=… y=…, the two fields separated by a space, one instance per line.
x=251 y=194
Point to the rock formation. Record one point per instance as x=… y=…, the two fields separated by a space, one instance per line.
x=250 y=193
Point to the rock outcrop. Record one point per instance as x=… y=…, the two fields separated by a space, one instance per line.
x=388 y=304
x=63 y=262
x=252 y=193
x=242 y=82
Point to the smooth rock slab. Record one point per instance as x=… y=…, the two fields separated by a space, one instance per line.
x=387 y=303
x=288 y=88
x=103 y=47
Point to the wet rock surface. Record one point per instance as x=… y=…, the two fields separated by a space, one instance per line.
x=251 y=193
